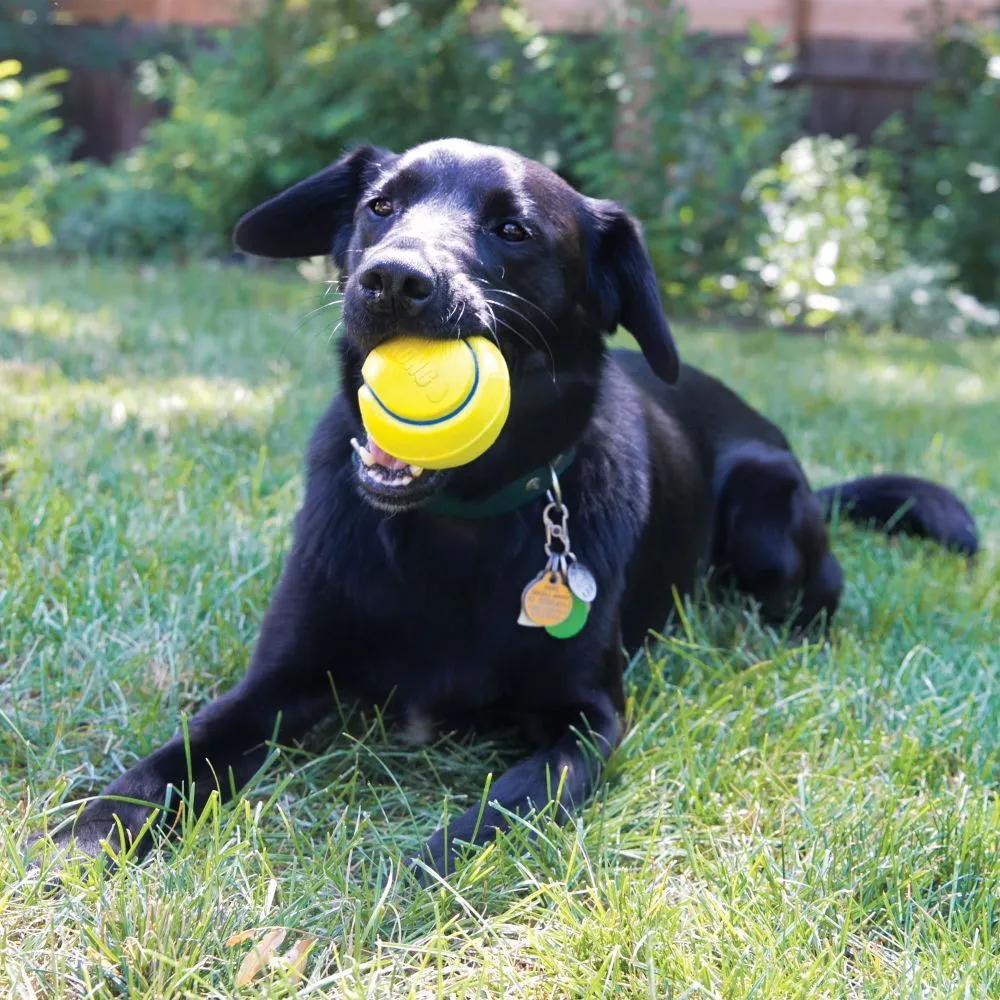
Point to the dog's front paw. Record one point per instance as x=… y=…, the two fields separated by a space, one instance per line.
x=98 y=832
x=445 y=850
x=432 y=862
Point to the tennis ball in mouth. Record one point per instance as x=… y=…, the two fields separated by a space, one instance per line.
x=433 y=403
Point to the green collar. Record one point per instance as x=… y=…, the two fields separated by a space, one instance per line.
x=529 y=487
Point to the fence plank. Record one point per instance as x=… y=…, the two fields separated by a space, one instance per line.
x=162 y=12
x=883 y=21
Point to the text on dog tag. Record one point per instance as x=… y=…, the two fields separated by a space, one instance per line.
x=547 y=601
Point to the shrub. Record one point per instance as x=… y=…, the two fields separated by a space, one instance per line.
x=946 y=156
x=283 y=94
x=30 y=152
x=711 y=118
x=919 y=299
x=828 y=225
x=117 y=211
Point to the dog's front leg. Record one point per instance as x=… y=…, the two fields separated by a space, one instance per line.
x=564 y=773
x=284 y=693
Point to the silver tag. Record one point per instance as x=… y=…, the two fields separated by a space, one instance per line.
x=581 y=581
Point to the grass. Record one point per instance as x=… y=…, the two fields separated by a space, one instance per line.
x=783 y=820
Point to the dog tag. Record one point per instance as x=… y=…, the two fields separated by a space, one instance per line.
x=523 y=619
x=581 y=581
x=574 y=621
x=547 y=601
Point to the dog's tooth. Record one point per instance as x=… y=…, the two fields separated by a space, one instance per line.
x=416 y=471
x=402 y=481
x=363 y=453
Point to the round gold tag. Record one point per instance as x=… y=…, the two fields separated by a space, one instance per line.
x=548 y=601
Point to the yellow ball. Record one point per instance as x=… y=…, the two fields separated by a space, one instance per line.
x=435 y=403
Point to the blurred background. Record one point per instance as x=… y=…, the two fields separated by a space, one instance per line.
x=796 y=163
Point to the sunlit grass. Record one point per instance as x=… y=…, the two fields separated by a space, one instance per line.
x=782 y=820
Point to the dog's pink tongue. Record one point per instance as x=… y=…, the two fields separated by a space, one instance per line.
x=383 y=458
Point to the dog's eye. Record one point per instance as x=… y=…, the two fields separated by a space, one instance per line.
x=381 y=207
x=513 y=232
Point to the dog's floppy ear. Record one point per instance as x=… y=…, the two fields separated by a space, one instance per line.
x=623 y=285
x=314 y=217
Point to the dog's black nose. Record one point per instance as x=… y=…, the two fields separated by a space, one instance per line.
x=396 y=282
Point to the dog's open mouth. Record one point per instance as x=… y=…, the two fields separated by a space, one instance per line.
x=389 y=481
x=385 y=469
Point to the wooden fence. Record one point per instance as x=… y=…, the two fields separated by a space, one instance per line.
x=868 y=20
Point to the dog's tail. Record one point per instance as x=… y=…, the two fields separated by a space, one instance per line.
x=905 y=504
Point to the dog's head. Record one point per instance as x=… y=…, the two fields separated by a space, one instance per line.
x=453 y=239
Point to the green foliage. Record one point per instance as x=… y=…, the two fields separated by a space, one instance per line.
x=30 y=151
x=947 y=157
x=828 y=226
x=284 y=93
x=118 y=211
x=710 y=116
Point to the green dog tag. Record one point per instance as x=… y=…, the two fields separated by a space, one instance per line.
x=573 y=622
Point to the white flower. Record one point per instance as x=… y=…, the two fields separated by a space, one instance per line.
x=828 y=303
x=828 y=253
x=770 y=273
x=825 y=276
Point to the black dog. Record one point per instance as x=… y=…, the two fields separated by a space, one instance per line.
x=403 y=588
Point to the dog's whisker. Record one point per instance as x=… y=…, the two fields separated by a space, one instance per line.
x=528 y=302
x=313 y=312
x=335 y=331
x=519 y=334
x=520 y=315
x=493 y=329
x=333 y=303
x=541 y=336
x=520 y=298
x=493 y=316
x=458 y=322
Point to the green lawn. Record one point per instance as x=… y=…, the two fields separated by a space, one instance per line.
x=781 y=821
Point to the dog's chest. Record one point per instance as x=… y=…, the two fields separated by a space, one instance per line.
x=436 y=617
x=468 y=654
